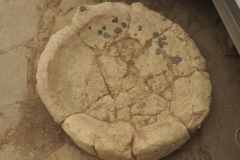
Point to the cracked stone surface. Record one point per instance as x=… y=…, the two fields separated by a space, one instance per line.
x=124 y=81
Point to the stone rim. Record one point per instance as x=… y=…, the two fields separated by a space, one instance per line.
x=50 y=52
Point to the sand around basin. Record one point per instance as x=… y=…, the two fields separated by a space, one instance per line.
x=125 y=82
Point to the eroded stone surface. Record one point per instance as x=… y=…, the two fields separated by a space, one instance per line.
x=119 y=76
x=159 y=139
x=187 y=104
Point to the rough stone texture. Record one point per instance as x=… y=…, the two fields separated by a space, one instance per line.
x=187 y=104
x=14 y=19
x=13 y=84
x=158 y=140
x=120 y=65
x=83 y=130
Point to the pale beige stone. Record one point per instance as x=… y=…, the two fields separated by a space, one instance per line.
x=83 y=130
x=103 y=109
x=116 y=142
x=119 y=79
x=150 y=106
x=9 y=118
x=191 y=99
x=159 y=139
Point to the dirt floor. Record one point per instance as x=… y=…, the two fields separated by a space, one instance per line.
x=29 y=132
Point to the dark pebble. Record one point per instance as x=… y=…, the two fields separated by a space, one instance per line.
x=123 y=24
x=104 y=27
x=106 y=35
x=115 y=20
x=139 y=28
x=100 y=32
x=118 y=30
x=155 y=34
x=158 y=51
x=176 y=59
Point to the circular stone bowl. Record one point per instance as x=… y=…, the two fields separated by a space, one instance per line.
x=125 y=82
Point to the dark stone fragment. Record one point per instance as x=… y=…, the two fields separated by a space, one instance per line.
x=104 y=27
x=139 y=28
x=118 y=30
x=100 y=32
x=176 y=59
x=161 y=42
x=82 y=8
x=106 y=35
x=115 y=20
x=89 y=27
x=158 y=51
x=123 y=24
x=155 y=34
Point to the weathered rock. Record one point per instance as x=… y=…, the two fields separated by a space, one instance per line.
x=116 y=142
x=117 y=78
x=159 y=139
x=83 y=130
x=187 y=104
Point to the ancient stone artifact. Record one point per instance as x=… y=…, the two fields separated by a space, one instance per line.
x=125 y=82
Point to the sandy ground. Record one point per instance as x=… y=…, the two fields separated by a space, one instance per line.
x=27 y=131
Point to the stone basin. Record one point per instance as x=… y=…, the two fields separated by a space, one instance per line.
x=124 y=82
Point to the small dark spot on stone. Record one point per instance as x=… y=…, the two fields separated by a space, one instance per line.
x=139 y=28
x=158 y=51
x=135 y=34
x=82 y=8
x=100 y=32
x=123 y=24
x=106 y=35
x=155 y=34
x=161 y=42
x=104 y=27
x=176 y=59
x=155 y=150
x=89 y=27
x=115 y=20
x=118 y=30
